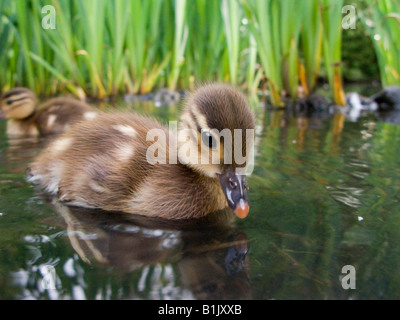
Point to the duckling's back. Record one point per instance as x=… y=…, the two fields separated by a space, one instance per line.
x=60 y=114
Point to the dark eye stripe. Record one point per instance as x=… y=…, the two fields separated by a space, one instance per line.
x=9 y=102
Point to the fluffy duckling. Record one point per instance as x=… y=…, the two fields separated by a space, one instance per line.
x=134 y=164
x=53 y=117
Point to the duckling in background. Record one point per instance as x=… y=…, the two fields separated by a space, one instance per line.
x=104 y=163
x=166 y=97
x=53 y=117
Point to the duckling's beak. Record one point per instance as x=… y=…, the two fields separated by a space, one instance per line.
x=235 y=190
x=2 y=115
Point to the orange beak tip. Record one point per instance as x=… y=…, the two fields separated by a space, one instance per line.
x=242 y=209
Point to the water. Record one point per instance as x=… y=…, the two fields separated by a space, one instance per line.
x=324 y=194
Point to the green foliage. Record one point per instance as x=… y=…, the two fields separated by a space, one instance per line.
x=383 y=24
x=105 y=48
x=263 y=20
x=206 y=48
x=331 y=12
x=358 y=55
x=311 y=43
x=231 y=13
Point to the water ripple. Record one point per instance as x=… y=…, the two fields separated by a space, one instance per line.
x=347 y=195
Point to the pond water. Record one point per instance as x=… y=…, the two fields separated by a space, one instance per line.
x=324 y=194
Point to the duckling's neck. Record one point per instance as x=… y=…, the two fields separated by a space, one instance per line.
x=27 y=126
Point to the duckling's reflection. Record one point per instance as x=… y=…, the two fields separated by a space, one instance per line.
x=16 y=152
x=210 y=255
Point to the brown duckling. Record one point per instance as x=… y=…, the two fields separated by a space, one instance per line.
x=52 y=117
x=130 y=163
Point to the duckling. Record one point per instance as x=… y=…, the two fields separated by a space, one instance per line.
x=116 y=162
x=53 y=117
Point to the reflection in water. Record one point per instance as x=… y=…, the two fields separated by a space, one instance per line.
x=323 y=194
x=392 y=116
x=20 y=151
x=209 y=259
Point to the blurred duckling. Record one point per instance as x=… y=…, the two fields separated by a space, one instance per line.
x=166 y=97
x=53 y=117
x=106 y=163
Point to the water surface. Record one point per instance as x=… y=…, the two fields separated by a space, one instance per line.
x=324 y=194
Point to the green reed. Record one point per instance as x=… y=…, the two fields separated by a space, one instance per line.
x=105 y=48
x=142 y=47
x=275 y=26
x=261 y=15
x=117 y=23
x=231 y=13
x=23 y=18
x=383 y=23
x=179 y=42
x=66 y=64
x=331 y=13
x=6 y=38
x=206 y=47
x=311 y=43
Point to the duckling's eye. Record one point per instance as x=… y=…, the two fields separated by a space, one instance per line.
x=208 y=139
x=10 y=102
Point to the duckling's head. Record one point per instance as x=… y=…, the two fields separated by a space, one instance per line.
x=215 y=137
x=18 y=103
